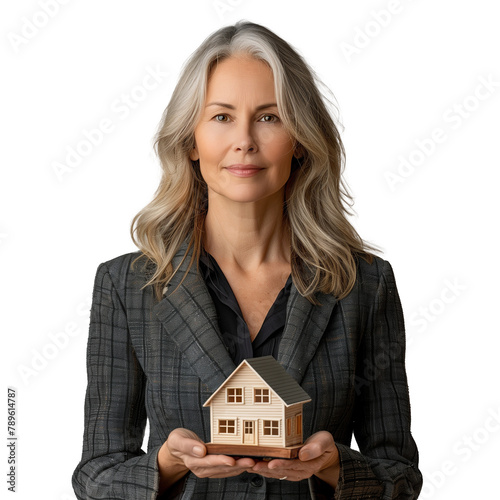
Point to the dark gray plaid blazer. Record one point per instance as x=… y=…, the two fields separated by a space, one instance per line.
x=162 y=360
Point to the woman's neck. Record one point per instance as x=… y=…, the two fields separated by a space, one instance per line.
x=247 y=235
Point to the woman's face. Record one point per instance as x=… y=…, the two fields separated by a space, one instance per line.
x=245 y=152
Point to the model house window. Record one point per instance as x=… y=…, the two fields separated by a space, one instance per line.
x=261 y=396
x=271 y=427
x=227 y=426
x=288 y=426
x=234 y=395
x=298 y=424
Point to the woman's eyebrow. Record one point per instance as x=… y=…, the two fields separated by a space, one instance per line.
x=230 y=106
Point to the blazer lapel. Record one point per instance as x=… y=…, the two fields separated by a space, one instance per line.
x=305 y=325
x=188 y=315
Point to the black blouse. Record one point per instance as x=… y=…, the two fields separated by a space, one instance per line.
x=232 y=325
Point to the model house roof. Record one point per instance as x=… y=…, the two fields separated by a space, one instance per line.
x=273 y=375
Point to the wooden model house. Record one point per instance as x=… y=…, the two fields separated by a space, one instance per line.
x=258 y=406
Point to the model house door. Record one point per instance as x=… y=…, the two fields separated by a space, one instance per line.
x=249 y=432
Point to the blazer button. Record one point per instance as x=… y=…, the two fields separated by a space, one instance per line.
x=257 y=481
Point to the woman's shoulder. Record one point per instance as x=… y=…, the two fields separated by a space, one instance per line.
x=372 y=272
x=121 y=261
x=372 y=265
x=128 y=268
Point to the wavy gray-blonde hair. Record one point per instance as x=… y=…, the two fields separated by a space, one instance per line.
x=324 y=245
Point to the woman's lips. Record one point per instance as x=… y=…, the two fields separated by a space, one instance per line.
x=244 y=170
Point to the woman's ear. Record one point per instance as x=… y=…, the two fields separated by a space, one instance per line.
x=298 y=151
x=193 y=155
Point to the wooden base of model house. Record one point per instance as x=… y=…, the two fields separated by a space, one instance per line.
x=241 y=450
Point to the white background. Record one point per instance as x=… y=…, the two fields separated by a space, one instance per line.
x=397 y=76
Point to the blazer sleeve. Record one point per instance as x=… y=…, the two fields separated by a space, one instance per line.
x=387 y=465
x=113 y=465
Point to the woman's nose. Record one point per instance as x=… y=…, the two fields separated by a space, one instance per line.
x=245 y=139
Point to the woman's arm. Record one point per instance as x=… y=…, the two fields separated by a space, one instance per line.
x=113 y=465
x=387 y=464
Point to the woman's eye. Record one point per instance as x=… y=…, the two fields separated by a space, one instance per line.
x=270 y=118
x=220 y=118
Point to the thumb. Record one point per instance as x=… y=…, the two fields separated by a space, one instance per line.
x=187 y=442
x=316 y=445
x=199 y=450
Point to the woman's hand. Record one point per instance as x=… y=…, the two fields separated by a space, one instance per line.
x=184 y=451
x=318 y=456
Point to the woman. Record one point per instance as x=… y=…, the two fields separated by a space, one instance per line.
x=246 y=251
